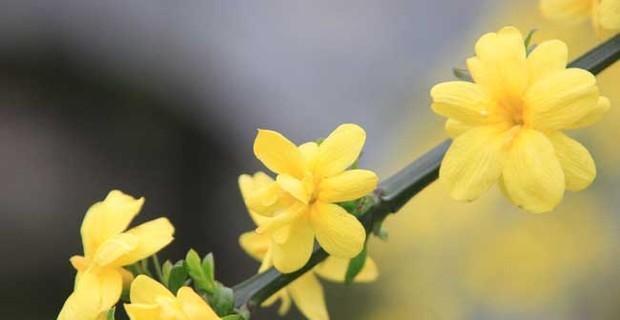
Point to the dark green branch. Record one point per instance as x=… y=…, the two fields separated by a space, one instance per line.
x=396 y=191
x=599 y=58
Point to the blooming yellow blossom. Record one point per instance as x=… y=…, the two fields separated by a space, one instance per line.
x=107 y=248
x=605 y=14
x=150 y=300
x=507 y=123
x=306 y=291
x=300 y=204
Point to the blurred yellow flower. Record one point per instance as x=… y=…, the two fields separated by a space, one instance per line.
x=150 y=300
x=301 y=203
x=530 y=263
x=306 y=291
x=107 y=248
x=507 y=123
x=605 y=14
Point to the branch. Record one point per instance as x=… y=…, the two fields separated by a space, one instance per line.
x=396 y=191
x=599 y=58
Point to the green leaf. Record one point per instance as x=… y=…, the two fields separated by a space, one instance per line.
x=208 y=265
x=350 y=206
x=177 y=277
x=355 y=266
x=165 y=270
x=528 y=38
x=233 y=317
x=358 y=207
x=379 y=231
x=462 y=74
x=195 y=270
x=111 y=313
x=222 y=300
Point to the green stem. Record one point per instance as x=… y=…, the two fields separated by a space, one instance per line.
x=396 y=191
x=144 y=266
x=160 y=274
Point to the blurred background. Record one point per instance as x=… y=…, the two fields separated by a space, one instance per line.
x=162 y=100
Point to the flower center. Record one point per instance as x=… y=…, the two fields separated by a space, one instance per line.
x=514 y=111
x=311 y=184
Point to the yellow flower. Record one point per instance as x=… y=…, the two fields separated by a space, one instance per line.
x=301 y=203
x=306 y=291
x=150 y=300
x=507 y=124
x=605 y=14
x=107 y=248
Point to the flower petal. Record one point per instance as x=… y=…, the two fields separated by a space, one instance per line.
x=547 y=58
x=260 y=192
x=80 y=306
x=285 y=304
x=79 y=263
x=282 y=218
x=499 y=65
x=561 y=99
x=340 y=150
x=194 y=306
x=576 y=161
x=145 y=290
x=294 y=187
x=307 y=293
x=533 y=176
x=455 y=128
x=349 y=185
x=463 y=101
x=281 y=235
x=152 y=236
x=309 y=152
x=107 y=218
x=369 y=272
x=97 y=290
x=140 y=311
x=337 y=231
x=85 y=301
x=114 y=248
x=254 y=244
x=110 y=287
x=474 y=161
x=296 y=250
x=335 y=269
x=595 y=114
x=278 y=153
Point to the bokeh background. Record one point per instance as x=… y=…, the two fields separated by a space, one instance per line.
x=162 y=99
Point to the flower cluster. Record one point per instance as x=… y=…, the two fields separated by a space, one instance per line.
x=306 y=292
x=507 y=124
x=107 y=249
x=302 y=202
